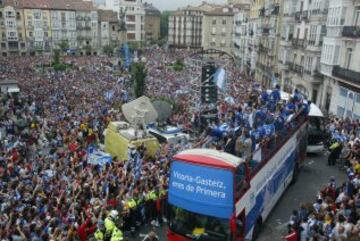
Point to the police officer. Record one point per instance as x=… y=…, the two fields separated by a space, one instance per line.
x=100 y=232
x=117 y=235
x=110 y=226
x=132 y=205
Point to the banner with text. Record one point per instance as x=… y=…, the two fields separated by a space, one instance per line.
x=201 y=189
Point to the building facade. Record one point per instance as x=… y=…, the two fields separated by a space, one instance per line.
x=268 y=24
x=152 y=22
x=340 y=60
x=40 y=26
x=302 y=32
x=134 y=17
x=12 y=29
x=185 y=28
x=243 y=35
x=217 y=29
x=109 y=28
x=37 y=20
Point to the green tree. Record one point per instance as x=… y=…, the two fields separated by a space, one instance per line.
x=138 y=76
x=108 y=50
x=56 y=57
x=164 y=24
x=56 y=64
x=87 y=49
x=64 y=45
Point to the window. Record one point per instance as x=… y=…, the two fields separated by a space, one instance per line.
x=340 y=111
x=46 y=34
x=1 y=14
x=336 y=55
x=31 y=34
x=3 y=45
x=224 y=21
x=358 y=98
x=18 y=16
x=348 y=58
x=343 y=92
x=214 y=21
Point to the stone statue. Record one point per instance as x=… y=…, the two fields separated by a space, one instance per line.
x=122 y=23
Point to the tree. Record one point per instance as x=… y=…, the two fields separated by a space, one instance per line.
x=138 y=76
x=56 y=64
x=87 y=49
x=108 y=50
x=56 y=57
x=164 y=24
x=64 y=45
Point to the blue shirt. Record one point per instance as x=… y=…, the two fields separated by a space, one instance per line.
x=269 y=129
x=275 y=95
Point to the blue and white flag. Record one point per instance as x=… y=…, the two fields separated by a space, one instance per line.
x=220 y=78
x=97 y=157
x=109 y=95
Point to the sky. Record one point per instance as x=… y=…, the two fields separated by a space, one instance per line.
x=174 y=4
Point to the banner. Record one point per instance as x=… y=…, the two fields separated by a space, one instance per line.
x=201 y=189
x=97 y=157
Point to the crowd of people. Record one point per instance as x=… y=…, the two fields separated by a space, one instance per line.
x=335 y=214
x=48 y=190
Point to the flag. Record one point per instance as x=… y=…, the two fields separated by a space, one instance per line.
x=220 y=78
x=97 y=157
x=109 y=95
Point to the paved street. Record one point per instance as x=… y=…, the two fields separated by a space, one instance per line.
x=314 y=175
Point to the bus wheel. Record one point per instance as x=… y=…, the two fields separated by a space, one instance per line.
x=257 y=229
x=295 y=174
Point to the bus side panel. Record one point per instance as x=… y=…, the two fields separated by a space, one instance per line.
x=269 y=183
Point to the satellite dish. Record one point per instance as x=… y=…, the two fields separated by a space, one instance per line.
x=139 y=112
x=164 y=110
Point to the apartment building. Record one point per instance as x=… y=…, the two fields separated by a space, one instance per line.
x=217 y=29
x=243 y=36
x=152 y=22
x=185 y=25
x=302 y=32
x=109 y=28
x=63 y=23
x=37 y=26
x=340 y=59
x=12 y=28
x=37 y=21
x=134 y=17
x=87 y=27
x=268 y=24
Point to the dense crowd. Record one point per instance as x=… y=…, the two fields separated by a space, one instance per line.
x=335 y=214
x=48 y=190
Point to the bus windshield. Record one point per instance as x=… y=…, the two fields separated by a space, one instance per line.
x=198 y=226
x=316 y=130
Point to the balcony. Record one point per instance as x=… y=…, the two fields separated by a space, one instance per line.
x=266 y=30
x=305 y=16
x=299 y=69
x=298 y=16
x=346 y=74
x=351 y=31
x=262 y=12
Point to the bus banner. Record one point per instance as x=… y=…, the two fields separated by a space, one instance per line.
x=201 y=189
